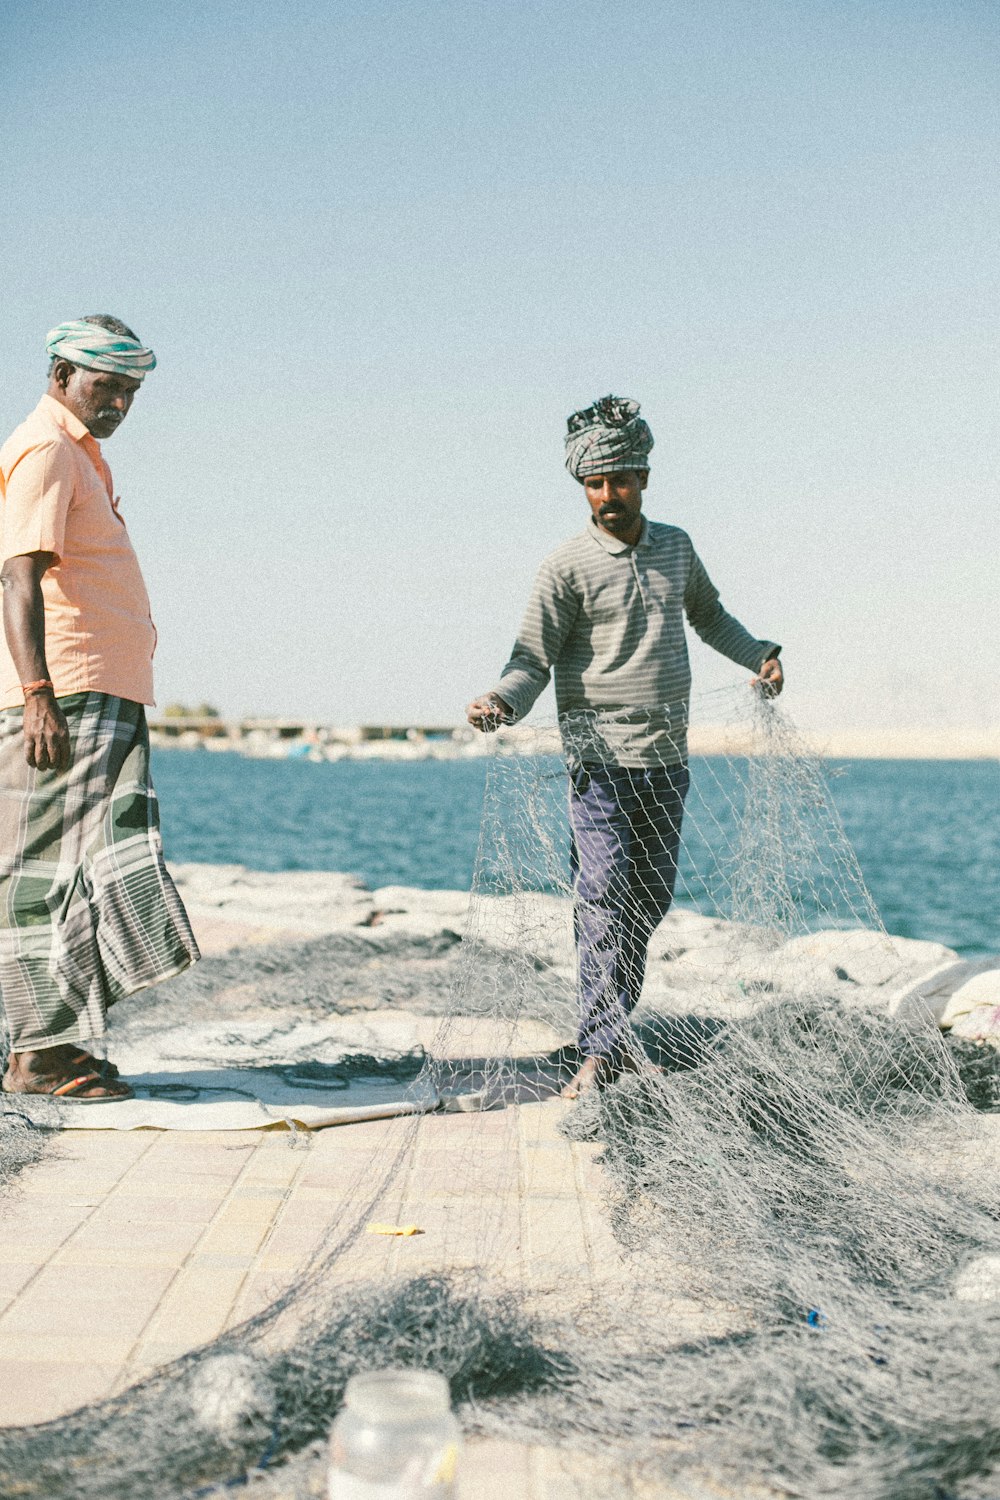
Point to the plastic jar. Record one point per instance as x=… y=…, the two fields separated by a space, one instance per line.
x=395 y=1439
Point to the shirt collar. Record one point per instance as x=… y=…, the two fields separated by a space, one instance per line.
x=611 y=543
x=64 y=418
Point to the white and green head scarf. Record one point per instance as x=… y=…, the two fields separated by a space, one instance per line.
x=606 y=438
x=96 y=348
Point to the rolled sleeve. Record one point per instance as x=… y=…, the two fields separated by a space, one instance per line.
x=38 y=493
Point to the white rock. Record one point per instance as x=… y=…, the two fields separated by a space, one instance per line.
x=535 y=924
x=407 y=911
x=868 y=958
x=312 y=901
x=929 y=994
x=980 y=1025
x=395 y=899
x=979 y=1281
x=980 y=990
x=682 y=931
x=230 y=1394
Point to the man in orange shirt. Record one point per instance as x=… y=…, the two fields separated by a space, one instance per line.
x=88 y=913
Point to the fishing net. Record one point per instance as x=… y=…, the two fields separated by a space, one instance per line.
x=796 y=1296
x=25 y=1136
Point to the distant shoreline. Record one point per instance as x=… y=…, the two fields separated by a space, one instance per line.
x=288 y=739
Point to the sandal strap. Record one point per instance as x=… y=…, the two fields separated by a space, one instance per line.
x=72 y=1084
x=102 y=1064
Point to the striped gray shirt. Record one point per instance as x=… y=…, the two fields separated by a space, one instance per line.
x=607 y=618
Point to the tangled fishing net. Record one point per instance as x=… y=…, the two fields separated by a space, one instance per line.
x=802 y=1195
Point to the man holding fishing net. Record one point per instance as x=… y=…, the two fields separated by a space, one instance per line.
x=88 y=913
x=606 y=618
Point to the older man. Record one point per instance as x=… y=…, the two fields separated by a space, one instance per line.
x=606 y=616
x=88 y=913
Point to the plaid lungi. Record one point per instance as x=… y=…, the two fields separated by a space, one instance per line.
x=88 y=913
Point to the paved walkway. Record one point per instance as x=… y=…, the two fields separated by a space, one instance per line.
x=123 y=1250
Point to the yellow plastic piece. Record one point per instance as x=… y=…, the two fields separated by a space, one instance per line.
x=398 y=1229
x=446 y=1468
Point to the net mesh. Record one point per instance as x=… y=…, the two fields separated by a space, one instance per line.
x=802 y=1196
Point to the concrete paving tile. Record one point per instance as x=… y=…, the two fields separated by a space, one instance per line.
x=259 y=1290
x=377 y=1133
x=250 y=1208
x=209 y=1187
x=221 y=1140
x=549 y=1174
x=153 y=1356
x=542 y=1122
x=207 y=1145
x=441 y=1181
x=273 y=1171
x=203 y=1161
x=458 y=1237
x=236 y=1262
x=371 y=1252
x=149 y=1208
x=554 y=1230
x=344 y=1185
x=45 y=1389
x=606 y=1255
x=563 y=1276
x=27 y=1254
x=491 y=1470
x=34 y=1242
x=75 y=1301
x=13 y=1280
x=324 y=1213
x=558 y=1474
x=100 y=1149
x=289 y=1254
x=66 y=1179
x=55 y=1213
x=320 y=1192
x=107 y=1241
x=197 y=1304
x=492 y=1128
x=242 y=1238
x=465 y=1162
x=591 y=1181
x=78 y=1348
x=174 y=1178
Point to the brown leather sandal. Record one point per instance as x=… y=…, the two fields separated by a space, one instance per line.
x=67 y=1085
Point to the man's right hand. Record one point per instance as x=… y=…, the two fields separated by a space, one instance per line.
x=46 y=733
x=489 y=712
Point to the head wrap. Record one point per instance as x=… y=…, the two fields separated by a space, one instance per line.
x=96 y=348
x=606 y=438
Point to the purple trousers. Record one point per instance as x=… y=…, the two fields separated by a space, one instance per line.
x=626 y=828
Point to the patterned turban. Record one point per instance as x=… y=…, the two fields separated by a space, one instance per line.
x=606 y=438
x=95 y=348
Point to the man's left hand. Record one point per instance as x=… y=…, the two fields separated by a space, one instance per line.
x=770 y=679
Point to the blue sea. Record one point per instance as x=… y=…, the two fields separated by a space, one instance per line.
x=926 y=833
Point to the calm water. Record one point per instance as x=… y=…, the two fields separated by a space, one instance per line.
x=926 y=833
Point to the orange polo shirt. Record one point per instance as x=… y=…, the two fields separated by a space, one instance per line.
x=57 y=497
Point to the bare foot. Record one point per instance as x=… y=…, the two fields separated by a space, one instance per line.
x=598 y=1072
x=583 y=1081
x=639 y=1063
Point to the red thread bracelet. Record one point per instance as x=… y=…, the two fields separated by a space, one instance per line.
x=35 y=687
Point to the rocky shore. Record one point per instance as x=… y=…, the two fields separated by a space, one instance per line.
x=697 y=963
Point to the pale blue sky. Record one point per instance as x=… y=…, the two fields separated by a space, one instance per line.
x=382 y=250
